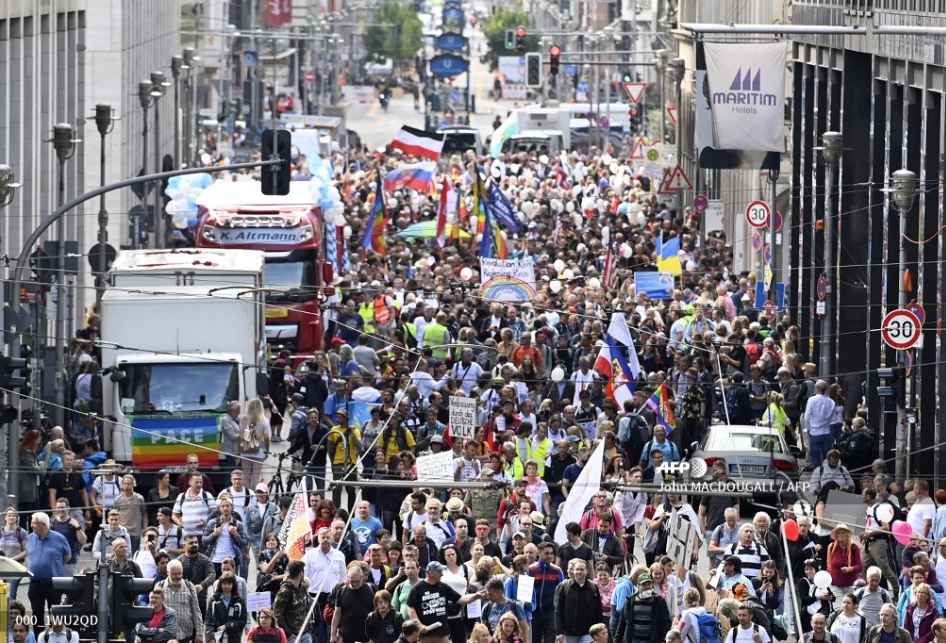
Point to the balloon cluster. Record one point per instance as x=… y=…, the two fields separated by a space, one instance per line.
x=324 y=193
x=183 y=192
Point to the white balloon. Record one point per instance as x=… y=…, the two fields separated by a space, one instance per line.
x=451 y=218
x=392 y=203
x=186 y=189
x=559 y=266
x=558 y=374
x=606 y=159
x=347 y=231
x=594 y=283
x=557 y=205
x=602 y=205
x=614 y=167
x=569 y=273
x=179 y=221
x=334 y=194
x=634 y=207
x=570 y=206
x=626 y=251
x=605 y=234
x=527 y=207
x=544 y=160
x=581 y=247
x=328 y=216
x=823 y=579
x=576 y=190
x=494 y=171
x=466 y=274
x=555 y=287
x=884 y=512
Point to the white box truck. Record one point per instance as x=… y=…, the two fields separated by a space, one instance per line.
x=184 y=335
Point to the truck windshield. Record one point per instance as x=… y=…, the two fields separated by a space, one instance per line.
x=295 y=275
x=175 y=388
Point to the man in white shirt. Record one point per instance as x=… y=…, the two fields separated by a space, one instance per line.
x=424 y=380
x=106 y=488
x=467 y=467
x=194 y=508
x=747 y=631
x=225 y=537
x=438 y=530
x=242 y=497
x=324 y=565
x=923 y=511
x=170 y=536
x=467 y=372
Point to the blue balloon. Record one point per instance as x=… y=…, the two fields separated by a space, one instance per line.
x=191 y=205
x=207 y=180
x=193 y=222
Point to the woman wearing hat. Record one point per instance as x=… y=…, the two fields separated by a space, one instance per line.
x=843 y=561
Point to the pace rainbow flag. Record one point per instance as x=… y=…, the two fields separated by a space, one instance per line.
x=158 y=442
x=374 y=230
x=659 y=403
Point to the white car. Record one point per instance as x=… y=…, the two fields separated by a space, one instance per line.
x=756 y=457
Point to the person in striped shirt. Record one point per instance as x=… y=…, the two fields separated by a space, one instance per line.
x=751 y=553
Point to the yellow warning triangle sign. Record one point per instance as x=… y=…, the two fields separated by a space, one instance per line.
x=675 y=180
x=637 y=153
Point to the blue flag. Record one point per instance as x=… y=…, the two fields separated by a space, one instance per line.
x=502 y=208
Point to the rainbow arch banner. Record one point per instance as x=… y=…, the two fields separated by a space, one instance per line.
x=507 y=279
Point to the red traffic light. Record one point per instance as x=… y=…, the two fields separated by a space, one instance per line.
x=520 y=33
x=633 y=111
x=555 y=51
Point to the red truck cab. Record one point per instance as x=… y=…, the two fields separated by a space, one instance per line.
x=288 y=229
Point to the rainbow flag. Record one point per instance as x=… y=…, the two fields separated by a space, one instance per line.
x=158 y=442
x=374 y=230
x=296 y=530
x=659 y=403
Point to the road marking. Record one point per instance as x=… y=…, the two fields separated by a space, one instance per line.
x=373 y=109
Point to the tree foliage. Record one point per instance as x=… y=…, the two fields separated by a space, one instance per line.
x=495 y=28
x=401 y=40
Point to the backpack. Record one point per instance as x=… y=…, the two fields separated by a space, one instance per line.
x=737 y=410
x=775 y=630
x=732 y=639
x=709 y=628
x=44 y=636
x=638 y=433
x=249 y=441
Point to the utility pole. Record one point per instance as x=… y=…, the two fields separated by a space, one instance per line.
x=158 y=86
x=830 y=152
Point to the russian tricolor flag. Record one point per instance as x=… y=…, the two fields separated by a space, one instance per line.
x=416 y=142
x=416 y=177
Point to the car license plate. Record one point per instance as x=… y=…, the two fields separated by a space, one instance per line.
x=276 y=313
x=747 y=468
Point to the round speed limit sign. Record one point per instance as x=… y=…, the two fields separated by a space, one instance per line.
x=901 y=329
x=757 y=214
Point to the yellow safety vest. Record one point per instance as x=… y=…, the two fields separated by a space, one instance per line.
x=367 y=314
x=515 y=469
x=539 y=453
x=434 y=335
x=776 y=417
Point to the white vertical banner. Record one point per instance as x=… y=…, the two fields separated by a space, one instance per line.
x=747 y=95
x=580 y=494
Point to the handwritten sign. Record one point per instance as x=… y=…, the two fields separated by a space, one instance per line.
x=258 y=600
x=508 y=279
x=474 y=609
x=524 y=590
x=462 y=416
x=436 y=467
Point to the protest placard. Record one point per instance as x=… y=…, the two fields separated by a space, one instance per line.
x=435 y=468
x=258 y=600
x=524 y=590
x=508 y=279
x=462 y=416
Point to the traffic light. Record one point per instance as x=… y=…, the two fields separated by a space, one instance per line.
x=890 y=387
x=79 y=592
x=473 y=21
x=276 y=144
x=8 y=368
x=510 y=39
x=635 y=120
x=534 y=70
x=554 y=53
x=520 y=40
x=126 y=613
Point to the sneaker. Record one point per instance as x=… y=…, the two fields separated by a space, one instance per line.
x=277 y=438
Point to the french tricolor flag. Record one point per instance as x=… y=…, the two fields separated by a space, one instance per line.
x=418 y=142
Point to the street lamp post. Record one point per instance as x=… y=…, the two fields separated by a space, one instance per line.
x=64 y=142
x=902 y=193
x=679 y=67
x=830 y=153
x=158 y=86
x=177 y=70
x=7 y=186
x=144 y=97
x=190 y=59
x=104 y=123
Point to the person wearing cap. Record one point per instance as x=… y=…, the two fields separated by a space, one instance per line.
x=338 y=400
x=298 y=414
x=646 y=617
x=429 y=600
x=746 y=309
x=170 y=535
x=106 y=487
x=831 y=470
x=261 y=510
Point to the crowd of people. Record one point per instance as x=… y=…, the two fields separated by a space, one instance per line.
x=408 y=330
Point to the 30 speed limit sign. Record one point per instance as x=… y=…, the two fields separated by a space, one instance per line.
x=757 y=214
x=901 y=329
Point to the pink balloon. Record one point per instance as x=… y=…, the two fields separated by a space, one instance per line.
x=902 y=531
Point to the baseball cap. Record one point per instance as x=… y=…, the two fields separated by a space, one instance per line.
x=437 y=439
x=341 y=412
x=262 y=487
x=519 y=534
x=644 y=578
x=434 y=566
x=166 y=511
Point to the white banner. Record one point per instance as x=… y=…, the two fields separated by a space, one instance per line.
x=747 y=95
x=586 y=486
x=508 y=279
x=462 y=416
x=513 y=69
x=435 y=467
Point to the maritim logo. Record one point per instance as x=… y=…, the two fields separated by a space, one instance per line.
x=745 y=93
